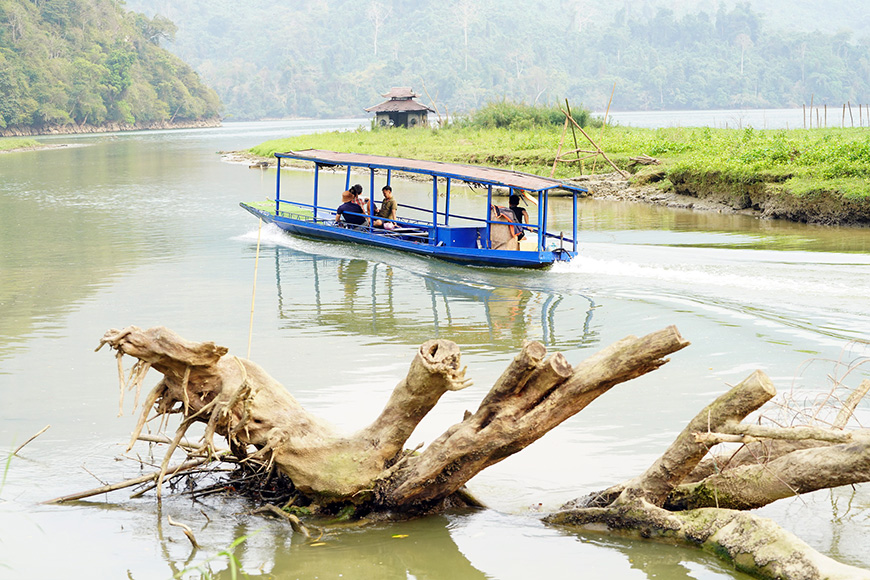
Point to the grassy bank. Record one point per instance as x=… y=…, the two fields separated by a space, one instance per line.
x=16 y=143
x=745 y=168
x=801 y=161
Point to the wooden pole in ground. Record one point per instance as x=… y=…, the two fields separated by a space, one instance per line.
x=851 y=118
x=595 y=145
x=568 y=108
x=559 y=151
x=843 y=121
x=604 y=124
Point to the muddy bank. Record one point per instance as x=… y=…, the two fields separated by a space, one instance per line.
x=73 y=129
x=764 y=201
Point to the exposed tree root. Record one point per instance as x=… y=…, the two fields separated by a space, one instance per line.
x=278 y=445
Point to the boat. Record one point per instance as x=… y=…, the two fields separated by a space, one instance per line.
x=492 y=239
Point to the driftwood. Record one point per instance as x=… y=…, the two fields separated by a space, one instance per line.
x=681 y=498
x=371 y=469
x=643 y=160
x=371 y=473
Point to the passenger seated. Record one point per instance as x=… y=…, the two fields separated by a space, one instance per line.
x=349 y=207
x=503 y=236
x=387 y=211
x=521 y=216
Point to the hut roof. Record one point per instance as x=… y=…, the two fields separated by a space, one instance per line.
x=401 y=93
x=398 y=106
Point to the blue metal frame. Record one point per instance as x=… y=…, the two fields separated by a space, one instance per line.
x=453 y=243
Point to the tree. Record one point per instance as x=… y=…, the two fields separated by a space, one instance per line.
x=377 y=14
x=466 y=13
x=744 y=42
x=370 y=473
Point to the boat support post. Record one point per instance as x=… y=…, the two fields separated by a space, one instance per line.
x=542 y=232
x=347 y=179
x=488 y=243
x=544 y=215
x=316 y=181
x=447 y=204
x=575 y=230
x=435 y=207
x=371 y=197
x=278 y=187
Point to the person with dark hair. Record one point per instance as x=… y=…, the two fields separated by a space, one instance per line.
x=350 y=208
x=356 y=190
x=522 y=216
x=387 y=211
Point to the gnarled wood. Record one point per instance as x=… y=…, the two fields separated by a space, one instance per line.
x=754 y=545
x=239 y=400
x=373 y=472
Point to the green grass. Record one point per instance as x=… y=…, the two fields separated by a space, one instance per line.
x=7 y=144
x=798 y=161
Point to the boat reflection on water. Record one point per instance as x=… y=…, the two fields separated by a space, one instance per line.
x=393 y=304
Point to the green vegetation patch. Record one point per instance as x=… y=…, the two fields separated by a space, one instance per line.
x=734 y=165
x=10 y=144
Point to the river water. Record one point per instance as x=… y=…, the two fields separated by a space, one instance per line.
x=145 y=229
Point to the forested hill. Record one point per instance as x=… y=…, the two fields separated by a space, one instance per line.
x=76 y=64
x=327 y=58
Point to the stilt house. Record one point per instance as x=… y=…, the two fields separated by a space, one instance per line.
x=401 y=110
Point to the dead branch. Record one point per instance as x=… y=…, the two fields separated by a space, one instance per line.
x=187 y=531
x=40 y=432
x=848 y=408
x=128 y=483
x=294 y=521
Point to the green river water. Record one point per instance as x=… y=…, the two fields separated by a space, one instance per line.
x=145 y=229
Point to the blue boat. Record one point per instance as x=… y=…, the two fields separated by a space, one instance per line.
x=495 y=239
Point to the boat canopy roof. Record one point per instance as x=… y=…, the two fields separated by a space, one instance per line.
x=468 y=173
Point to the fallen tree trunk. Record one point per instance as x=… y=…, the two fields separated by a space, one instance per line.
x=371 y=469
x=371 y=472
x=679 y=499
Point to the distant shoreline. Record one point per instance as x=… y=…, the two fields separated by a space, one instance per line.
x=73 y=129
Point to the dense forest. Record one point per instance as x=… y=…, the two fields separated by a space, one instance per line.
x=327 y=58
x=77 y=63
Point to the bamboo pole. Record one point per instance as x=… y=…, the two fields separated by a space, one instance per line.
x=594 y=144
x=568 y=107
x=559 y=151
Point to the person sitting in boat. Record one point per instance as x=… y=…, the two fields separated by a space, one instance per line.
x=522 y=216
x=351 y=210
x=387 y=211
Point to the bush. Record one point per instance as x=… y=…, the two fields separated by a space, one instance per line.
x=520 y=116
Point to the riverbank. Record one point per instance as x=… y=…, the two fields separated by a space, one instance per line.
x=16 y=145
x=73 y=129
x=819 y=176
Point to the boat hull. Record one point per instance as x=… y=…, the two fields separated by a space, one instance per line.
x=383 y=239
